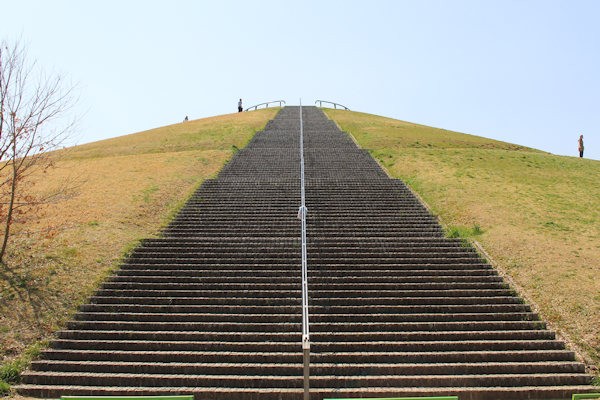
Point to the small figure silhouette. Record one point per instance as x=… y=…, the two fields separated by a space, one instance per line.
x=240 y=108
x=580 y=146
x=185 y=119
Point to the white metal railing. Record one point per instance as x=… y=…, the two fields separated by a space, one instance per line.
x=302 y=211
x=280 y=102
x=335 y=105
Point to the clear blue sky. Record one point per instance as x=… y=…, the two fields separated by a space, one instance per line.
x=523 y=71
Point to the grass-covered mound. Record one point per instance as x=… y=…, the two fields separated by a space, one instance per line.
x=536 y=214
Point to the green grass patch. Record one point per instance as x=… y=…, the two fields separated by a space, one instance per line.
x=148 y=192
x=10 y=372
x=586 y=396
x=4 y=388
x=463 y=232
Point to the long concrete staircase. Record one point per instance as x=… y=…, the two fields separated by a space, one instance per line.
x=213 y=307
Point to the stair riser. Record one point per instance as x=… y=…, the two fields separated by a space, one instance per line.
x=250 y=381
x=540 y=393
x=316 y=370
x=317 y=346
x=315 y=337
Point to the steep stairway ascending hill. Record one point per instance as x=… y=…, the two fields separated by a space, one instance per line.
x=213 y=306
x=399 y=310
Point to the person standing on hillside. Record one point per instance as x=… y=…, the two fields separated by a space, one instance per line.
x=580 y=146
x=240 y=108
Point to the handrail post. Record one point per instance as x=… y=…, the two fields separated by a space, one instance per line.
x=306 y=358
x=302 y=215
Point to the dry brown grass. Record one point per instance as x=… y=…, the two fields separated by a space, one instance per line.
x=538 y=214
x=126 y=189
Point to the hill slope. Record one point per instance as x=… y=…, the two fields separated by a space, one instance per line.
x=536 y=214
x=122 y=190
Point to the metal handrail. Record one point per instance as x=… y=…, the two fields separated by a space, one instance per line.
x=302 y=211
x=335 y=105
x=280 y=102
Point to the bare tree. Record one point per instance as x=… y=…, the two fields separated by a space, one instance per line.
x=33 y=107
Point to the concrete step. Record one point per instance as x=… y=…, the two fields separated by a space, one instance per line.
x=317 y=288
x=334 y=269
x=434 y=326
x=322 y=295
x=443 y=356
x=268 y=381
x=179 y=345
x=318 y=369
x=313 y=309
x=342 y=326
x=216 y=258
x=293 y=337
x=270 y=301
x=225 y=234
x=317 y=346
x=216 y=316
x=280 y=317
x=359 y=357
x=215 y=265
x=283 y=271
x=315 y=336
x=225 y=393
x=160 y=278
x=348 y=325
x=173 y=356
x=358 y=245
x=224 y=326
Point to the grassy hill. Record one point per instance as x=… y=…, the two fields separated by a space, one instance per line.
x=121 y=190
x=536 y=214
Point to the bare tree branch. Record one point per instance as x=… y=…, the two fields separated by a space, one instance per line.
x=31 y=108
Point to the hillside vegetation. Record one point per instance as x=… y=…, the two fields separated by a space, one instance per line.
x=122 y=190
x=536 y=214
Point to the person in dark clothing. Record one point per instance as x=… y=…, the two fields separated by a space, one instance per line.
x=580 y=145
x=240 y=108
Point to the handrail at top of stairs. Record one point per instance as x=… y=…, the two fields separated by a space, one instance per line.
x=280 y=102
x=335 y=105
x=302 y=211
